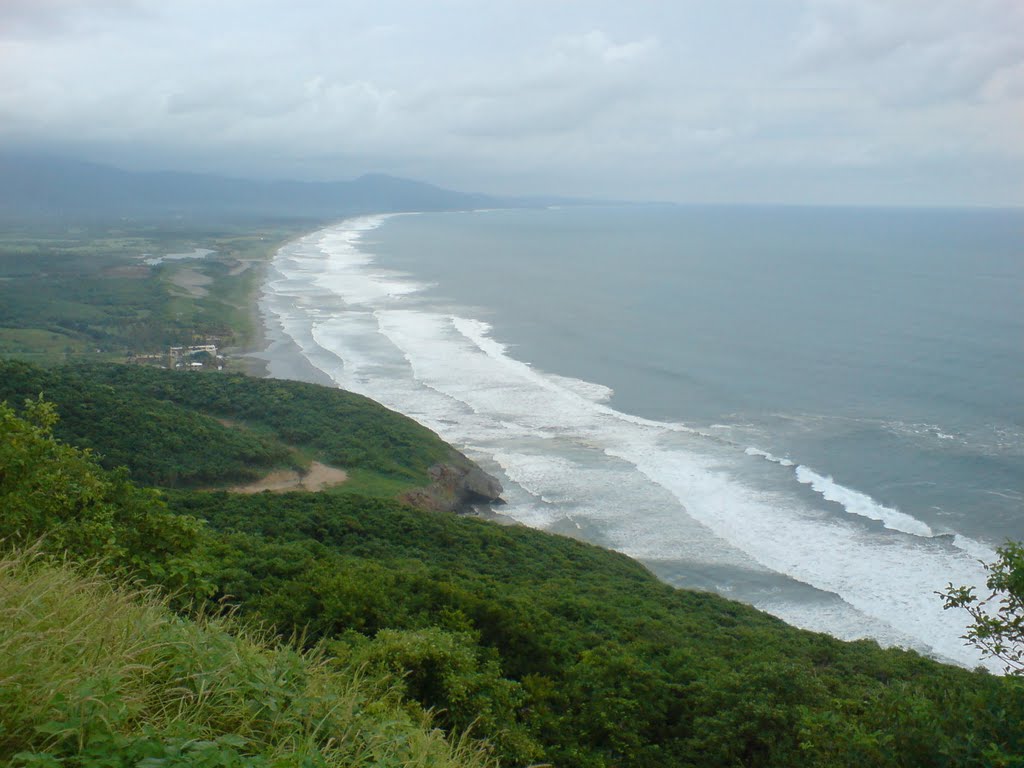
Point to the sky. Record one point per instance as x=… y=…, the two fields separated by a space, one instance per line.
x=877 y=102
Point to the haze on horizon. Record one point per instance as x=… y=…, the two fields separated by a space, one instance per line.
x=884 y=102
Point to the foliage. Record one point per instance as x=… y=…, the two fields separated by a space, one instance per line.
x=158 y=424
x=105 y=312
x=998 y=632
x=998 y=628
x=99 y=676
x=342 y=428
x=86 y=292
x=58 y=494
x=161 y=443
x=613 y=667
x=450 y=675
x=548 y=648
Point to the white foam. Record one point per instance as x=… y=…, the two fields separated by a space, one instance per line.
x=841 y=623
x=857 y=503
x=981 y=552
x=752 y=451
x=891 y=579
x=654 y=490
x=589 y=390
x=988 y=440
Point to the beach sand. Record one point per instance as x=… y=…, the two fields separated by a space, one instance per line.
x=272 y=354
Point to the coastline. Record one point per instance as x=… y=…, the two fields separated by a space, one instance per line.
x=271 y=353
x=439 y=365
x=249 y=357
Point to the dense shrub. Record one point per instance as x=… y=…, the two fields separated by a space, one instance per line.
x=98 y=676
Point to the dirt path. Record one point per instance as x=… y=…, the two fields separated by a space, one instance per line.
x=319 y=477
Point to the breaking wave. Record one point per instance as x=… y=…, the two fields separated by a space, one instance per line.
x=659 y=491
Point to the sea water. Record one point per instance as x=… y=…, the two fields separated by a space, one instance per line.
x=819 y=412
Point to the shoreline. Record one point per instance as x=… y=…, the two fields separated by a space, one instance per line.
x=251 y=364
x=265 y=345
x=828 y=611
x=272 y=354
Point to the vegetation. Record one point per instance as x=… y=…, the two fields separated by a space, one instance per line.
x=58 y=495
x=338 y=427
x=546 y=648
x=90 y=291
x=612 y=667
x=998 y=628
x=179 y=430
x=100 y=676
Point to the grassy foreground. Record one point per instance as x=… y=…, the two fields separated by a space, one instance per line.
x=95 y=674
x=127 y=612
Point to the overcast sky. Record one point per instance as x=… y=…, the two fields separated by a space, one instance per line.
x=803 y=101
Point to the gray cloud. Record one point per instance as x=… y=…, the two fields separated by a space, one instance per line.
x=914 y=52
x=530 y=96
x=26 y=19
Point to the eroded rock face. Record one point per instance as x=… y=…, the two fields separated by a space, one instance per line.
x=478 y=485
x=456 y=489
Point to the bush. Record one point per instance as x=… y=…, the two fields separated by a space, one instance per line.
x=95 y=675
x=60 y=496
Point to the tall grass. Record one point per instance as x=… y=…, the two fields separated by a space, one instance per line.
x=93 y=674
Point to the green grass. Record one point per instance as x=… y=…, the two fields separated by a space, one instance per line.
x=608 y=666
x=550 y=648
x=366 y=482
x=159 y=441
x=99 y=675
x=38 y=345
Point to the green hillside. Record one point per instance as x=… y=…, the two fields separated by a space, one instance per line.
x=547 y=649
x=612 y=666
x=171 y=429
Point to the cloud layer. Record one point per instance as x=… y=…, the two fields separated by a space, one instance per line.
x=873 y=101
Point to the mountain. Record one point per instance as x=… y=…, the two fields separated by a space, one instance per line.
x=49 y=186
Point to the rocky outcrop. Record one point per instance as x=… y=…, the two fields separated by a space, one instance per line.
x=456 y=488
x=478 y=486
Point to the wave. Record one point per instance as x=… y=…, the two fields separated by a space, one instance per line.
x=752 y=451
x=857 y=503
x=657 y=491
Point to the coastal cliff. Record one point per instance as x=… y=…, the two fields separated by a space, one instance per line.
x=461 y=488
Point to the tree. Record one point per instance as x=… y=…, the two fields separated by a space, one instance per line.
x=998 y=628
x=59 y=498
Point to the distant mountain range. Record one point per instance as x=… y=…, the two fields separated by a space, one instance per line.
x=51 y=186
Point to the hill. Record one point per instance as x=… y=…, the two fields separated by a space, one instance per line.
x=43 y=186
x=179 y=430
x=548 y=648
x=99 y=675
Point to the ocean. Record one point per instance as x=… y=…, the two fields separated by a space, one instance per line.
x=819 y=412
